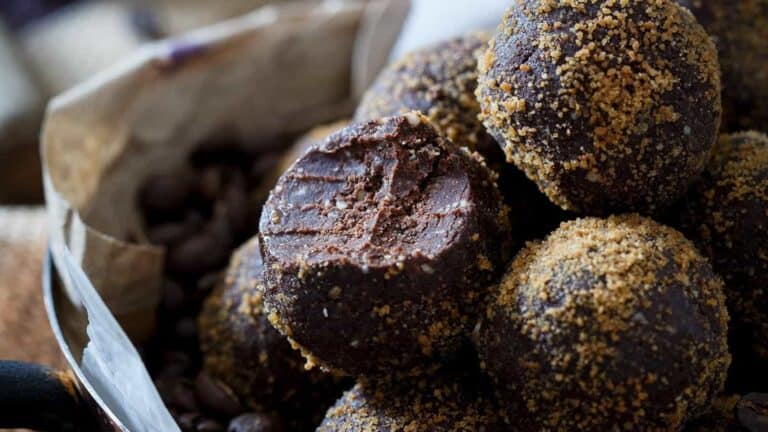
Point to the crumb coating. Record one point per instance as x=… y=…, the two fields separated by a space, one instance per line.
x=608 y=324
x=608 y=105
x=726 y=214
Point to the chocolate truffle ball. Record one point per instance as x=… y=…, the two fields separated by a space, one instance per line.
x=607 y=105
x=423 y=405
x=440 y=82
x=726 y=214
x=740 y=30
x=379 y=245
x=242 y=349
x=608 y=324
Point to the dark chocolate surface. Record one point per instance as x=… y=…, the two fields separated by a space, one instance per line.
x=379 y=245
x=726 y=214
x=242 y=349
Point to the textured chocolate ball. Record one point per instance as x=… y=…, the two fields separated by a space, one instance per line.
x=726 y=214
x=379 y=245
x=608 y=324
x=423 y=405
x=607 y=105
x=440 y=82
x=740 y=30
x=242 y=349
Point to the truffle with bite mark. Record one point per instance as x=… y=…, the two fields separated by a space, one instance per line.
x=379 y=245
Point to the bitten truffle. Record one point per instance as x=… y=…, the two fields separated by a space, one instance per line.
x=740 y=30
x=379 y=245
x=608 y=324
x=607 y=105
x=440 y=82
x=423 y=405
x=242 y=349
x=726 y=214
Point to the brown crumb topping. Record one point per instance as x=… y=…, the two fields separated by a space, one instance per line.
x=607 y=322
x=607 y=105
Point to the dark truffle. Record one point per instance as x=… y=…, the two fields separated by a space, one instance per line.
x=607 y=105
x=740 y=30
x=423 y=405
x=608 y=324
x=379 y=245
x=440 y=82
x=242 y=350
x=726 y=214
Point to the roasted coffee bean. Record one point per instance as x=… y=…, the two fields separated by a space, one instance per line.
x=188 y=421
x=167 y=193
x=174 y=298
x=209 y=425
x=752 y=412
x=211 y=182
x=175 y=363
x=182 y=396
x=236 y=203
x=198 y=254
x=171 y=233
x=216 y=396
x=256 y=422
x=186 y=330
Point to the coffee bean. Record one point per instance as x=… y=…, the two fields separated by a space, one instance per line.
x=182 y=396
x=752 y=412
x=186 y=331
x=174 y=297
x=188 y=421
x=198 y=254
x=236 y=203
x=256 y=422
x=209 y=425
x=166 y=193
x=169 y=234
x=216 y=396
x=211 y=182
x=207 y=283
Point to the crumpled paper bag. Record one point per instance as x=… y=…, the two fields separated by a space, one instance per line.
x=276 y=71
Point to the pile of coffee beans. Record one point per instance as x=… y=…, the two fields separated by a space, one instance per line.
x=200 y=213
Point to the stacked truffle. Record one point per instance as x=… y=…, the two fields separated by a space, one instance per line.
x=387 y=247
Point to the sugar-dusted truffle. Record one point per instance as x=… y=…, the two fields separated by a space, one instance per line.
x=608 y=324
x=726 y=214
x=379 y=245
x=740 y=30
x=420 y=405
x=440 y=82
x=242 y=349
x=607 y=105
